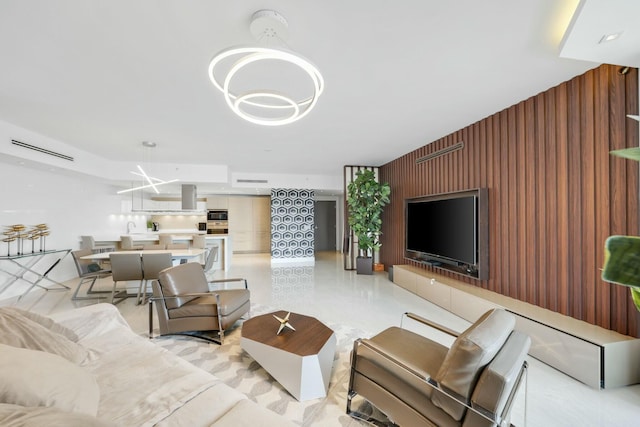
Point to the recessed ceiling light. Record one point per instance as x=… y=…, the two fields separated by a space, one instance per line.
x=150 y=144
x=610 y=37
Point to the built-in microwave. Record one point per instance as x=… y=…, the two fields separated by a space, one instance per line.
x=217 y=215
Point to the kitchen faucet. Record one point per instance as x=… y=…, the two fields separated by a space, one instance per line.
x=130 y=225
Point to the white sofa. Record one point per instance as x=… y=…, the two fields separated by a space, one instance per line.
x=86 y=367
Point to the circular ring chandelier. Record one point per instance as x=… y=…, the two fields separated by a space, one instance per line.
x=278 y=108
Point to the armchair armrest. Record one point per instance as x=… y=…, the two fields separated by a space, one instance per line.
x=423 y=375
x=234 y=279
x=430 y=323
x=192 y=294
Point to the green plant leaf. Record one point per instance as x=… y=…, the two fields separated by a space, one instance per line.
x=628 y=153
x=366 y=198
x=622 y=261
x=635 y=295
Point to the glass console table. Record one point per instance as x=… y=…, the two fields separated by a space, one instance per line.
x=26 y=263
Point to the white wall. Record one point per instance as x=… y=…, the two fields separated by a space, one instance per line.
x=72 y=205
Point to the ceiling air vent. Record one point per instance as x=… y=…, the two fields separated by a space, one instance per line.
x=252 y=181
x=41 y=150
x=441 y=152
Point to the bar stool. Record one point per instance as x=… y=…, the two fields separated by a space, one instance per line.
x=88 y=242
x=126 y=244
x=165 y=240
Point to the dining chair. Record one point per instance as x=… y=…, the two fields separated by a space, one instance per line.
x=88 y=272
x=199 y=241
x=212 y=257
x=124 y=268
x=152 y=264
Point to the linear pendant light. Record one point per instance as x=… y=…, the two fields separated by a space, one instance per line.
x=151 y=181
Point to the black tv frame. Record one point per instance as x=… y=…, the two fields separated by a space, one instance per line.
x=479 y=270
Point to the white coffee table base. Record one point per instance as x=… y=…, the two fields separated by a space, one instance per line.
x=305 y=377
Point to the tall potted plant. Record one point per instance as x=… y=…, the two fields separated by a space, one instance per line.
x=622 y=253
x=366 y=198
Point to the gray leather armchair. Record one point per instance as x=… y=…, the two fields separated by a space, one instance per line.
x=415 y=381
x=186 y=306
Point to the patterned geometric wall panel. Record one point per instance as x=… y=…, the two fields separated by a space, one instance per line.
x=292 y=223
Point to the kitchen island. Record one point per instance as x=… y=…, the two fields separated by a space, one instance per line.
x=179 y=236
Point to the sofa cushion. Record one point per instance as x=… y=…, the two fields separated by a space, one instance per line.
x=19 y=331
x=248 y=414
x=230 y=301
x=38 y=416
x=36 y=378
x=469 y=354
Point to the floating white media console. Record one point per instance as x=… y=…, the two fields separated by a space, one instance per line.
x=593 y=355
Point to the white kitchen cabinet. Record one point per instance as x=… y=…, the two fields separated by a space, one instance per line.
x=262 y=241
x=217 y=202
x=250 y=223
x=262 y=214
x=242 y=241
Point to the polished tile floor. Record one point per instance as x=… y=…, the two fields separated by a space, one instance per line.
x=372 y=303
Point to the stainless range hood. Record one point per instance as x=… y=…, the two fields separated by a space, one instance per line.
x=188 y=204
x=189 y=197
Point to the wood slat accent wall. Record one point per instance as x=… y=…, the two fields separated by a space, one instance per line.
x=555 y=194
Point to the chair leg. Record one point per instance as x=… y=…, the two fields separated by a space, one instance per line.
x=202 y=336
x=90 y=291
x=364 y=417
x=145 y=292
x=351 y=393
x=141 y=299
x=150 y=318
x=121 y=295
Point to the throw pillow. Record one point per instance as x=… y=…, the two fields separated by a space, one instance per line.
x=36 y=378
x=19 y=331
x=468 y=355
x=47 y=322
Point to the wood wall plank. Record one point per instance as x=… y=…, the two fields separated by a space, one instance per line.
x=555 y=194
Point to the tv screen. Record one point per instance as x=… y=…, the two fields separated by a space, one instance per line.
x=443 y=228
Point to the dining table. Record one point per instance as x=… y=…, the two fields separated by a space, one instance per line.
x=178 y=254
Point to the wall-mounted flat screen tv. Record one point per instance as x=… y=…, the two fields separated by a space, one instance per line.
x=448 y=229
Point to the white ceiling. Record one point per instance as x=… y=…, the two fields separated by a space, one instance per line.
x=106 y=75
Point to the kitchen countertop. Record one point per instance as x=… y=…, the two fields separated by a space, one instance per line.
x=154 y=235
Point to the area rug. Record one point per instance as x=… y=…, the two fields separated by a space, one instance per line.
x=238 y=370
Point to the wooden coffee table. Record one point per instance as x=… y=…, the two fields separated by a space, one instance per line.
x=300 y=360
